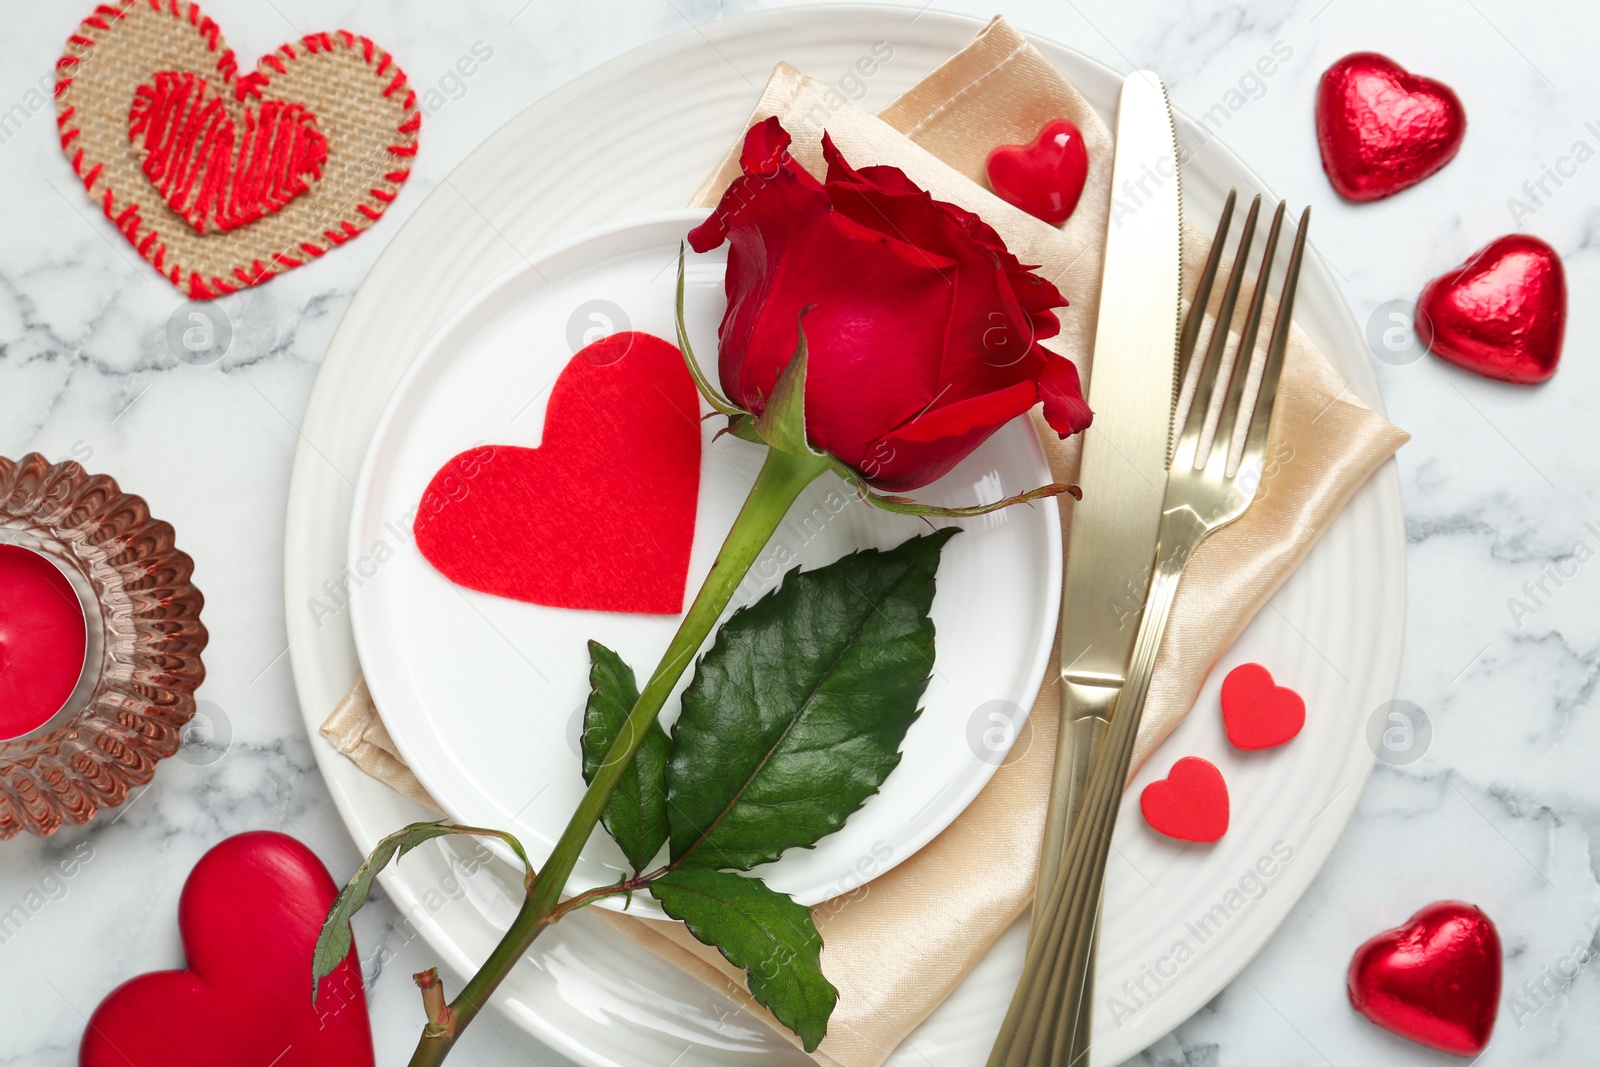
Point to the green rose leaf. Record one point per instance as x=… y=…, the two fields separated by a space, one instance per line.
x=763 y=932
x=796 y=714
x=636 y=814
x=333 y=940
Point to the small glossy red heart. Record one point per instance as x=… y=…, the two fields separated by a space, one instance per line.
x=1502 y=313
x=1435 y=980
x=1044 y=178
x=1190 y=803
x=1256 y=712
x=249 y=917
x=601 y=515
x=1383 y=129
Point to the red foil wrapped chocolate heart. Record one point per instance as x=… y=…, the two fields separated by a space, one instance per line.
x=1382 y=128
x=1044 y=178
x=1435 y=980
x=1502 y=313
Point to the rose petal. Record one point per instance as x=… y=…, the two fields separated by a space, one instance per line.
x=1064 y=407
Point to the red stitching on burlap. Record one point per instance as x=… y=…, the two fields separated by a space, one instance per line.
x=130 y=222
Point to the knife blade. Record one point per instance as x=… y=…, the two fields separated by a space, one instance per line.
x=1132 y=389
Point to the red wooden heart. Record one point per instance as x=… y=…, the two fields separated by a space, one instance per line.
x=223 y=177
x=601 y=515
x=1044 y=178
x=204 y=170
x=249 y=917
x=1502 y=313
x=1383 y=129
x=1190 y=803
x=1257 y=713
x=1435 y=980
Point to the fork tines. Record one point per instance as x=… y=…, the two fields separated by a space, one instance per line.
x=1194 y=444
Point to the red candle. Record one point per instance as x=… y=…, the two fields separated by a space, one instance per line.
x=43 y=639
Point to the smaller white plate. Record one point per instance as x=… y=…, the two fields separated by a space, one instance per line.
x=483 y=695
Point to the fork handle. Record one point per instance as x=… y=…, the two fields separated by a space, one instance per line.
x=1048 y=1023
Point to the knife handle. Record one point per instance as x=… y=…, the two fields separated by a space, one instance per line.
x=1086 y=703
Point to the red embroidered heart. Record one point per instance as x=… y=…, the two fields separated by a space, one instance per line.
x=224 y=178
x=1382 y=129
x=1190 y=803
x=1435 y=980
x=1255 y=712
x=1044 y=178
x=1502 y=313
x=249 y=917
x=601 y=515
x=191 y=155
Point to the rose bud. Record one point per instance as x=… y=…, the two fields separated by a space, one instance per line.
x=922 y=329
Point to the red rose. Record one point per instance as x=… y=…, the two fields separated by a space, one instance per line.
x=923 y=332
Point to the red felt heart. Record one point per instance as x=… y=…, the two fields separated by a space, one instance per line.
x=1383 y=129
x=1502 y=313
x=1044 y=178
x=601 y=515
x=1257 y=713
x=219 y=175
x=205 y=170
x=1435 y=980
x=249 y=917
x=1190 y=803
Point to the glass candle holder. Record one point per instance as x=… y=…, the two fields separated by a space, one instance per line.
x=143 y=639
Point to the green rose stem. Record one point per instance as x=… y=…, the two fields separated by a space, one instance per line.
x=782 y=477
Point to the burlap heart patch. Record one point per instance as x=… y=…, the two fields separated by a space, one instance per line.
x=220 y=178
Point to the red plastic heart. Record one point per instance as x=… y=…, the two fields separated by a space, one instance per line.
x=1383 y=129
x=1256 y=712
x=1044 y=178
x=249 y=917
x=1435 y=980
x=1502 y=313
x=601 y=515
x=1190 y=803
x=183 y=128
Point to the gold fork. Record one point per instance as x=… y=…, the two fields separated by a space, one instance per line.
x=1048 y=1023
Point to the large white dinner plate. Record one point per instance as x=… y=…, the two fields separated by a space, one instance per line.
x=1333 y=631
x=483 y=694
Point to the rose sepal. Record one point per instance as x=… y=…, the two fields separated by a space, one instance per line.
x=718 y=402
x=782 y=422
x=904 y=505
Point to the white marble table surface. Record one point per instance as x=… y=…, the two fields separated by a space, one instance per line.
x=1499 y=483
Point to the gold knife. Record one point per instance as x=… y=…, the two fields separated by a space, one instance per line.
x=1132 y=390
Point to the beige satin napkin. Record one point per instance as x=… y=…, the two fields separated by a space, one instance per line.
x=897 y=946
